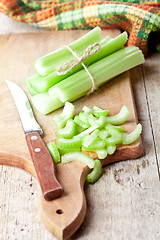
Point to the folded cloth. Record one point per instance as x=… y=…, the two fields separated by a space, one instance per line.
x=138 y=17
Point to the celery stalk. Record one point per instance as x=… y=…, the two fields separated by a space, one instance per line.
x=45 y=103
x=51 y=61
x=42 y=83
x=78 y=84
x=102 y=71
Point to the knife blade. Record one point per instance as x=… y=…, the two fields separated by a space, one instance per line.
x=42 y=160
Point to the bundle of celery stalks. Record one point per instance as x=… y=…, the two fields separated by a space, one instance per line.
x=50 y=90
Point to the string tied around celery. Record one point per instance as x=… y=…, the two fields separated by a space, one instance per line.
x=69 y=65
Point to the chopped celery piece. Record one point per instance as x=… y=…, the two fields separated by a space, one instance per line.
x=97 y=144
x=99 y=111
x=45 y=103
x=98 y=124
x=111 y=149
x=108 y=125
x=128 y=138
x=103 y=134
x=80 y=123
x=83 y=116
x=96 y=172
x=64 y=151
x=54 y=151
x=87 y=109
x=69 y=143
x=102 y=154
x=92 y=119
x=67 y=113
x=80 y=129
x=51 y=61
x=78 y=156
x=68 y=131
x=119 y=118
x=88 y=139
x=116 y=137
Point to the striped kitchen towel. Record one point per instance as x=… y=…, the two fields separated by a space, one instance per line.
x=138 y=17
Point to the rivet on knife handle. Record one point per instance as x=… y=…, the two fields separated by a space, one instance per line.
x=44 y=166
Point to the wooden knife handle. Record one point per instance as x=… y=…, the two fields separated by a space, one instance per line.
x=44 y=167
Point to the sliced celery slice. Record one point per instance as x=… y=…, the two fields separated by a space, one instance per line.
x=111 y=149
x=69 y=143
x=88 y=139
x=87 y=109
x=78 y=156
x=67 y=113
x=68 y=131
x=103 y=134
x=54 y=151
x=96 y=172
x=128 y=138
x=116 y=137
x=99 y=111
x=63 y=151
x=119 y=118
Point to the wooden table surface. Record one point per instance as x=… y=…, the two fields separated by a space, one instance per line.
x=126 y=198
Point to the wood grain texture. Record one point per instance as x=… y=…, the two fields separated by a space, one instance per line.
x=57 y=216
x=126 y=195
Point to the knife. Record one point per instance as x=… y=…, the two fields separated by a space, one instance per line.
x=42 y=160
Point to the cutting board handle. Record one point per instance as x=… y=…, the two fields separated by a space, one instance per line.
x=64 y=215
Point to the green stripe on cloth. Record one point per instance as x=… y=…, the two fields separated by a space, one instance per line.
x=138 y=17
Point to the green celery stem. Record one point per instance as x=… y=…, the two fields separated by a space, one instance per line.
x=48 y=63
x=79 y=84
x=102 y=71
x=41 y=84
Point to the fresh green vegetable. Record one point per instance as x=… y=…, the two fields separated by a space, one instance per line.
x=100 y=137
x=96 y=172
x=78 y=156
x=111 y=149
x=119 y=118
x=87 y=109
x=116 y=137
x=78 y=84
x=102 y=154
x=51 y=61
x=128 y=138
x=103 y=134
x=54 y=151
x=68 y=131
x=69 y=143
x=40 y=83
x=68 y=112
x=99 y=111
x=81 y=122
x=63 y=151
x=45 y=103
x=88 y=139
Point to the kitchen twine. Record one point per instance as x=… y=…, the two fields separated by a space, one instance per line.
x=69 y=65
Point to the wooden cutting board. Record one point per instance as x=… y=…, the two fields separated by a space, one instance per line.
x=62 y=216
